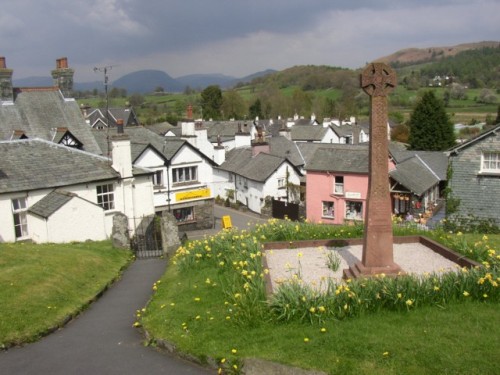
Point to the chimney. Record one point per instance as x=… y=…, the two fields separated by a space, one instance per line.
x=260 y=145
x=189 y=112
x=121 y=155
x=6 y=90
x=119 y=126
x=63 y=77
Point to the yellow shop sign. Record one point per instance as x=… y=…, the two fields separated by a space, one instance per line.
x=192 y=194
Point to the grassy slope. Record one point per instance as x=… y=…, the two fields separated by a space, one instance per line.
x=191 y=311
x=42 y=285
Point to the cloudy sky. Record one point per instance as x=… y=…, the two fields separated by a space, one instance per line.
x=231 y=37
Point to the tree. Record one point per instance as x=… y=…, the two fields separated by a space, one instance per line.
x=233 y=105
x=430 y=126
x=255 y=109
x=136 y=100
x=211 y=102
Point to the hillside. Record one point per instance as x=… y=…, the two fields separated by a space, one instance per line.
x=410 y=56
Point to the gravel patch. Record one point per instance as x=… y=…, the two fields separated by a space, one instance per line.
x=310 y=263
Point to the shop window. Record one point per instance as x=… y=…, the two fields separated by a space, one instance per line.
x=354 y=210
x=185 y=174
x=339 y=185
x=184 y=214
x=328 y=210
x=19 y=212
x=106 y=196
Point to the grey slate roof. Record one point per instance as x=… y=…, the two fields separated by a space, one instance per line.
x=258 y=168
x=37 y=111
x=437 y=161
x=95 y=115
x=32 y=164
x=415 y=175
x=52 y=202
x=308 y=132
x=281 y=146
x=341 y=158
x=140 y=139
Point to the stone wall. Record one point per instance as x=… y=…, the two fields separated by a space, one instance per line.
x=203 y=213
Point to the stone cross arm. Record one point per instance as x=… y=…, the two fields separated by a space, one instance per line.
x=378 y=79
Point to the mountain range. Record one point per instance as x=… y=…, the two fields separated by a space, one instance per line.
x=147 y=81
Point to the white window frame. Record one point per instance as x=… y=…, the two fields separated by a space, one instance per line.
x=20 y=217
x=106 y=197
x=281 y=183
x=326 y=212
x=158 y=178
x=338 y=187
x=181 y=175
x=490 y=161
x=355 y=217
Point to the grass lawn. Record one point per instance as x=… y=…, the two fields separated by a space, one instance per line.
x=199 y=308
x=42 y=285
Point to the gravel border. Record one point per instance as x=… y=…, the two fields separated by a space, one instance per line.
x=310 y=263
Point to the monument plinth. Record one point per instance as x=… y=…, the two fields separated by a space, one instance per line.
x=377 y=80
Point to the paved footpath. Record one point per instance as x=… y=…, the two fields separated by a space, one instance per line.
x=102 y=339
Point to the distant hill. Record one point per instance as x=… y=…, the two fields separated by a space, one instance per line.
x=146 y=81
x=410 y=56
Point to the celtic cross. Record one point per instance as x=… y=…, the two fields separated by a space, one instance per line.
x=378 y=79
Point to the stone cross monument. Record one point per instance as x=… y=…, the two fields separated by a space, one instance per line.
x=377 y=80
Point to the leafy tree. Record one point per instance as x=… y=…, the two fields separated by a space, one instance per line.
x=136 y=100
x=211 y=102
x=497 y=120
x=430 y=126
x=256 y=109
x=233 y=105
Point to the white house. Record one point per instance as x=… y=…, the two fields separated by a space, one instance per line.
x=182 y=179
x=250 y=175
x=54 y=193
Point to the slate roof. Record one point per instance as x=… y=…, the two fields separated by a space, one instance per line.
x=32 y=164
x=308 y=132
x=52 y=202
x=415 y=175
x=161 y=128
x=37 y=111
x=340 y=158
x=283 y=147
x=436 y=161
x=140 y=139
x=226 y=129
x=258 y=168
x=95 y=115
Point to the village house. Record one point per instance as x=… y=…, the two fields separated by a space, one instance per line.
x=43 y=199
x=182 y=175
x=337 y=184
x=250 y=175
x=100 y=118
x=474 y=180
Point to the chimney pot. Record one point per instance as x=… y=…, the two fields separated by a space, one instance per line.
x=190 y=112
x=3 y=65
x=119 y=126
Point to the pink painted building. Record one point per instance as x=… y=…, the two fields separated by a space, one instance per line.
x=337 y=184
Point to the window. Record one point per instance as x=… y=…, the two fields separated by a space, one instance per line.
x=354 y=210
x=339 y=185
x=186 y=174
x=19 y=210
x=106 y=196
x=184 y=214
x=491 y=162
x=328 y=210
x=281 y=183
x=158 y=179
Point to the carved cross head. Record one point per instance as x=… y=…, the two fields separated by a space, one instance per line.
x=378 y=79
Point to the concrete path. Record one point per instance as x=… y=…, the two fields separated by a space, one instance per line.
x=102 y=340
